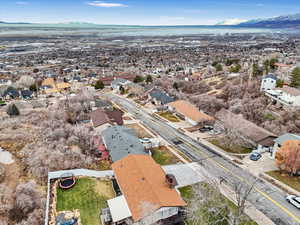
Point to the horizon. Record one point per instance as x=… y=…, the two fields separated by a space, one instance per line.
x=154 y=13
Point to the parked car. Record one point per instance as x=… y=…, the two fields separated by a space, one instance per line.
x=255 y=156
x=206 y=129
x=294 y=200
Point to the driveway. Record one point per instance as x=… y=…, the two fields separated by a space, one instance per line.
x=264 y=164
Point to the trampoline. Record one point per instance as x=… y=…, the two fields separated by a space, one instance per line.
x=67 y=181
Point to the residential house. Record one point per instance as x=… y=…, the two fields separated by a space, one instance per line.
x=148 y=193
x=122 y=141
x=26 y=94
x=119 y=82
x=52 y=88
x=190 y=113
x=287 y=96
x=268 y=82
x=11 y=93
x=160 y=98
x=278 y=142
x=101 y=119
x=248 y=131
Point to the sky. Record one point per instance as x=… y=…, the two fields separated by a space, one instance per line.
x=144 y=12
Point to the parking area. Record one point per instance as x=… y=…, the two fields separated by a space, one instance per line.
x=264 y=164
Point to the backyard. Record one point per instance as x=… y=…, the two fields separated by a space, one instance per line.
x=292 y=181
x=140 y=131
x=89 y=195
x=169 y=116
x=164 y=156
x=187 y=194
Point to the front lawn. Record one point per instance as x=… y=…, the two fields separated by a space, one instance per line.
x=140 y=131
x=164 y=156
x=89 y=196
x=169 y=116
x=292 y=181
x=235 y=149
x=187 y=193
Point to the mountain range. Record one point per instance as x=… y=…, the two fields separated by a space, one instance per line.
x=289 y=21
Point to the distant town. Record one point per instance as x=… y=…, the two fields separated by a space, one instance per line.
x=193 y=129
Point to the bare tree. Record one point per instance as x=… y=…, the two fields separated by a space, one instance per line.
x=209 y=206
x=6 y=202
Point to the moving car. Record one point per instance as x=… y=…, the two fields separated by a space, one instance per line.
x=255 y=156
x=294 y=200
x=206 y=128
x=177 y=141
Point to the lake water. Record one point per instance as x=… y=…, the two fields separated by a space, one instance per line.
x=114 y=30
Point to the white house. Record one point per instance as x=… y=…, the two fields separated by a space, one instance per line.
x=118 y=82
x=268 y=82
x=278 y=142
x=287 y=96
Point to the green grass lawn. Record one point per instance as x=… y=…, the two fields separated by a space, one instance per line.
x=292 y=181
x=187 y=195
x=169 y=116
x=236 y=149
x=89 y=196
x=163 y=156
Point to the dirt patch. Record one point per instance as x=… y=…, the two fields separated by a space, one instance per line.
x=104 y=188
x=140 y=131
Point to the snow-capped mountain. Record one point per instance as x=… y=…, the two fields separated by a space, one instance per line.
x=275 y=22
x=231 y=22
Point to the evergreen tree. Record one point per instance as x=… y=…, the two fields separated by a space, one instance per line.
x=13 y=110
x=175 y=86
x=149 y=79
x=219 y=67
x=138 y=79
x=295 y=77
x=99 y=85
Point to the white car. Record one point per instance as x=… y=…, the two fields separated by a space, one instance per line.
x=294 y=200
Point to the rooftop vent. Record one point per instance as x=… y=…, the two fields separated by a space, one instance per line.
x=171 y=180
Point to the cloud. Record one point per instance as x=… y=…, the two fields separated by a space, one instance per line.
x=22 y=3
x=106 y=4
x=260 y=5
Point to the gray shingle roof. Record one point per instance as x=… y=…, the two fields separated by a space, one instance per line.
x=121 y=141
x=270 y=75
x=161 y=97
x=286 y=137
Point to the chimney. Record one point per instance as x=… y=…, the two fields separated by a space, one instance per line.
x=171 y=181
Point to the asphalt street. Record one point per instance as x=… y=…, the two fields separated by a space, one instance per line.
x=265 y=197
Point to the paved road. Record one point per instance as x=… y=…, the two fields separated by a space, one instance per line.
x=266 y=198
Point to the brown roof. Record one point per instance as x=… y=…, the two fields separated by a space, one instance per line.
x=63 y=85
x=143 y=181
x=187 y=109
x=99 y=117
x=248 y=129
x=48 y=82
x=115 y=116
x=290 y=90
